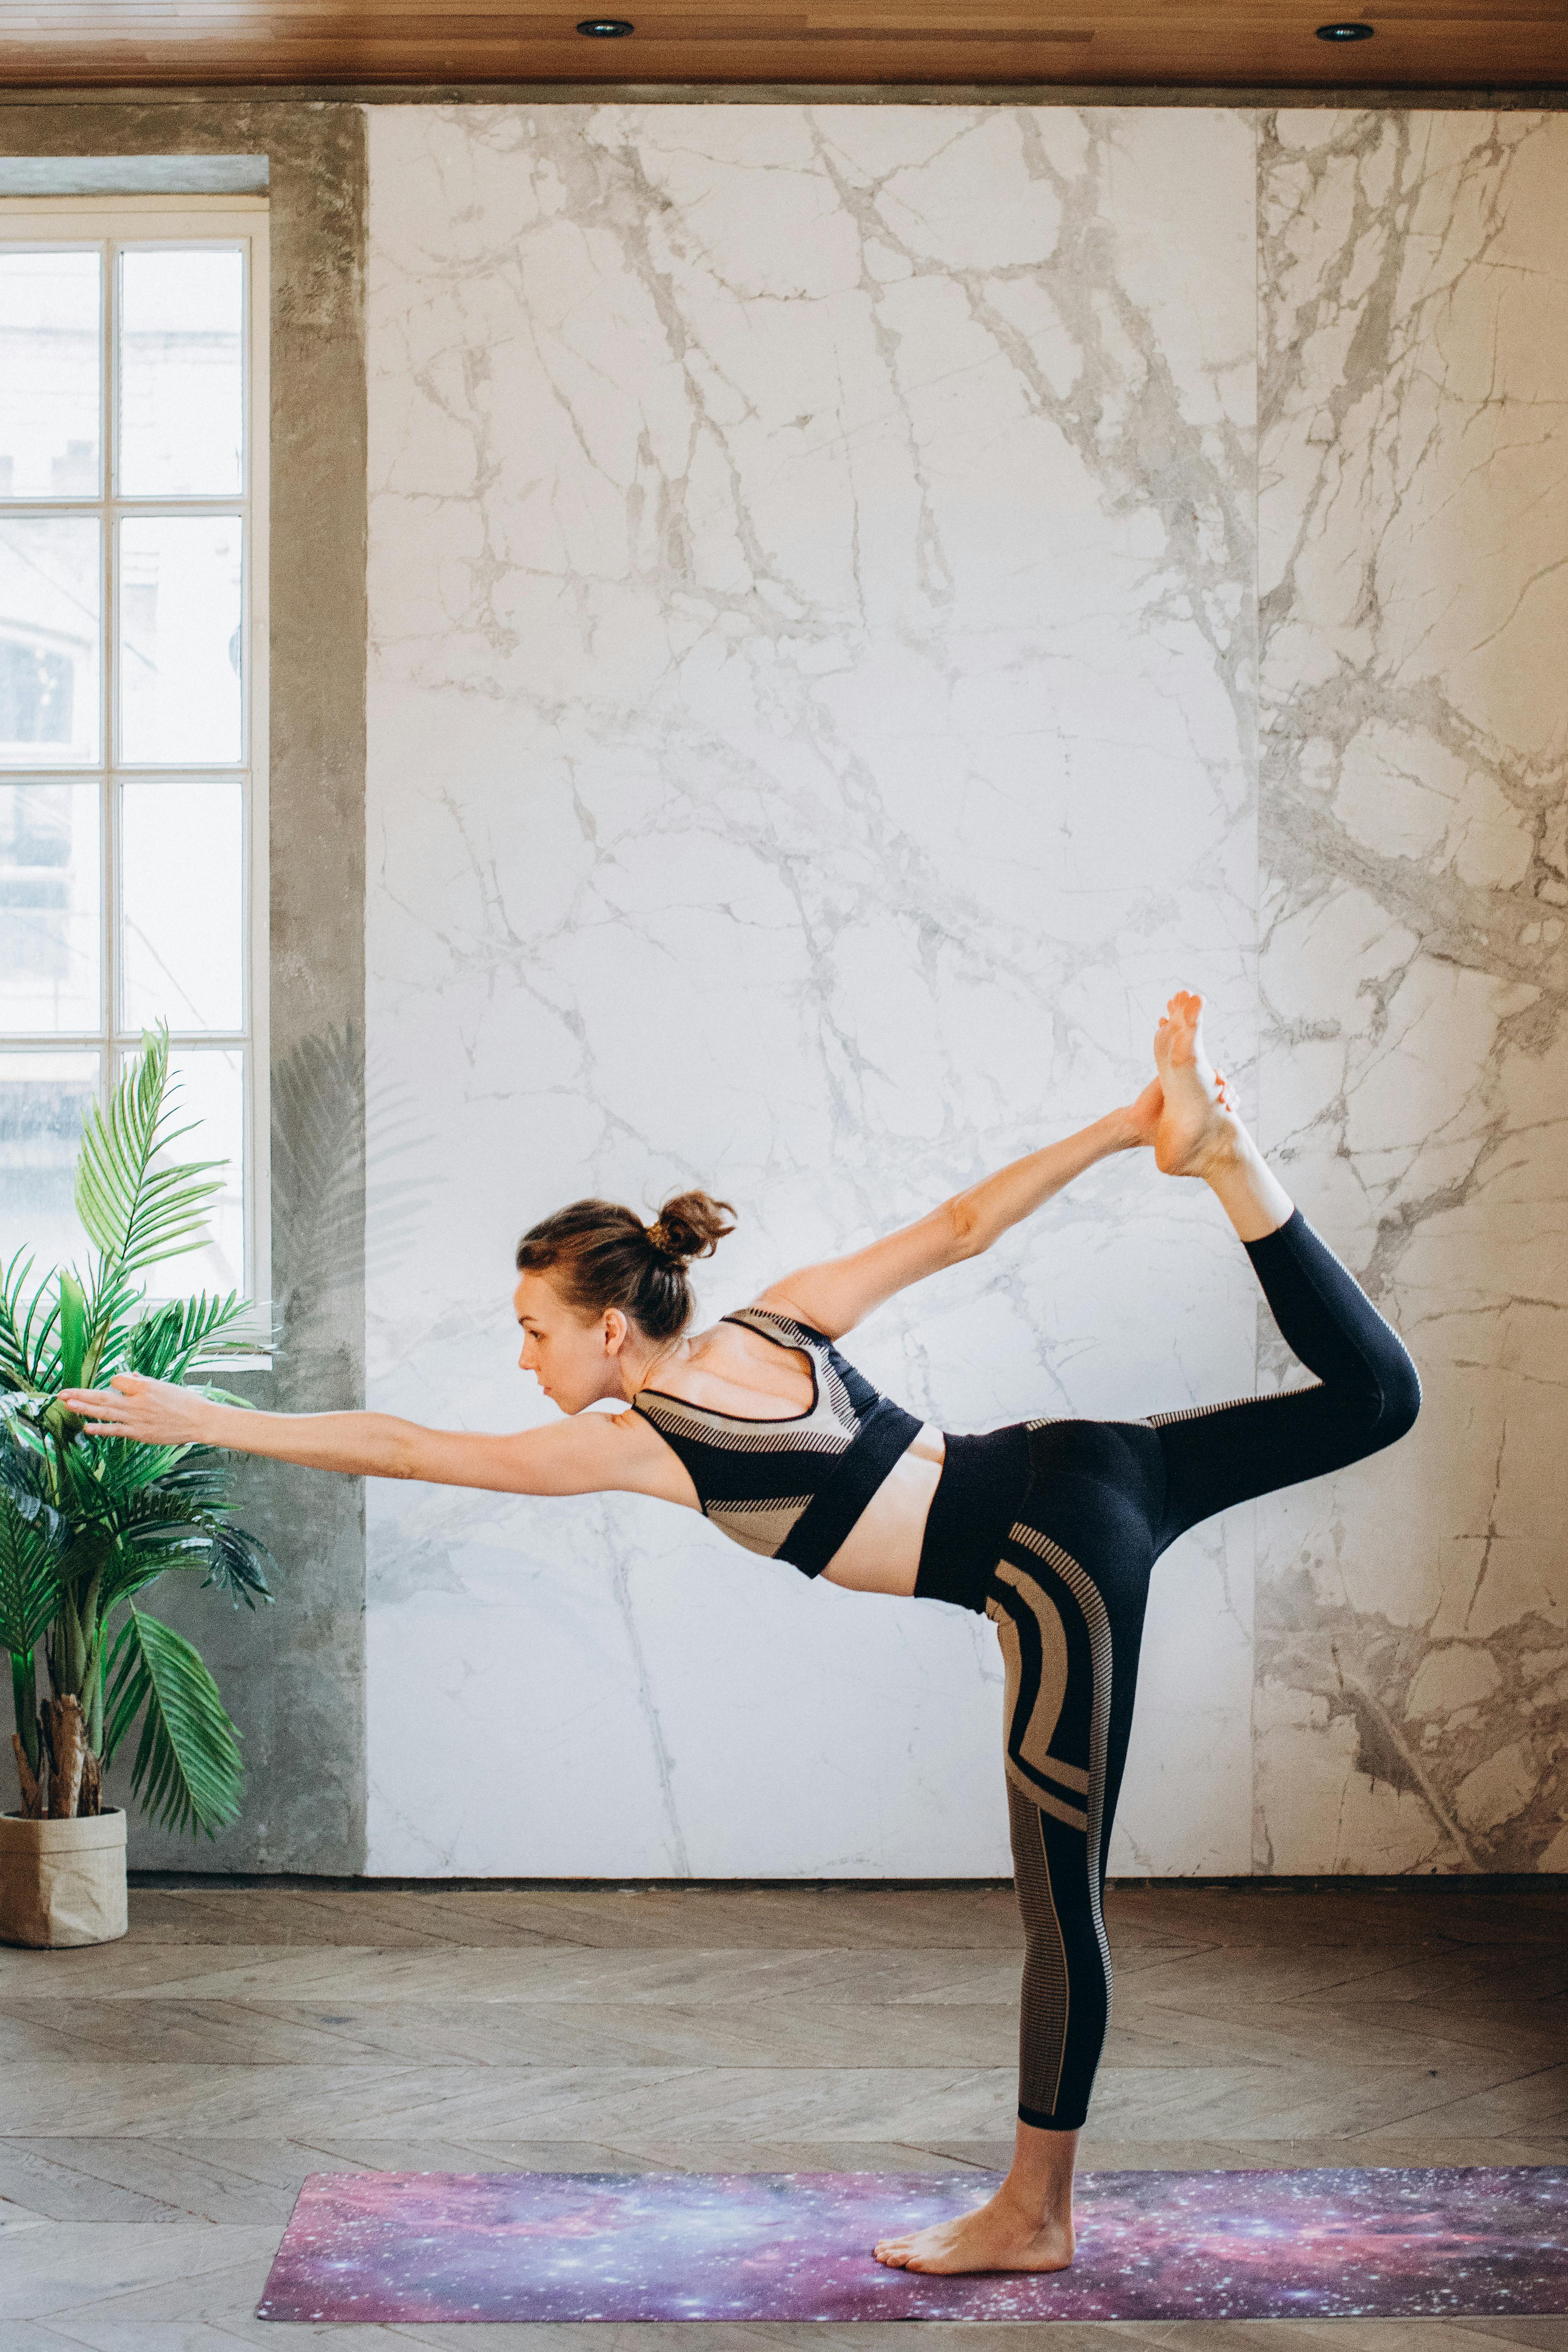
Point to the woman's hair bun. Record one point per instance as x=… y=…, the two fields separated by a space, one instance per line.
x=602 y=1254
x=691 y=1224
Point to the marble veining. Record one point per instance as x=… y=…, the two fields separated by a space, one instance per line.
x=810 y=719
x=1414 y=604
x=829 y=621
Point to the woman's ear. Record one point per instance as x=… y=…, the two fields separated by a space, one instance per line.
x=615 y=1329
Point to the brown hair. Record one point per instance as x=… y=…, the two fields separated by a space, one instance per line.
x=605 y=1255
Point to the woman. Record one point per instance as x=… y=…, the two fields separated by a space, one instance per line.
x=1049 y=1528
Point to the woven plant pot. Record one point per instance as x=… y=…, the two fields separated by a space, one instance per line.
x=62 y=1883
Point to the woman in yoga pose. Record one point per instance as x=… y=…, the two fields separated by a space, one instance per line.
x=1050 y=1527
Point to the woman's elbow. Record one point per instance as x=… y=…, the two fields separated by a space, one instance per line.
x=969 y=1235
x=403 y=1451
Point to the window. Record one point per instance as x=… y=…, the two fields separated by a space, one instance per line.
x=132 y=697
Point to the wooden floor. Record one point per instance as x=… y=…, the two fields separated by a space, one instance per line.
x=163 y=2097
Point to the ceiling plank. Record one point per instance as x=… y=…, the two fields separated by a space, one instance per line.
x=1418 y=45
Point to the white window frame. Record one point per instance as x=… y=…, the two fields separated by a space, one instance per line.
x=134 y=220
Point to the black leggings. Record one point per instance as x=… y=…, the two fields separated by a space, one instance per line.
x=1051 y=1527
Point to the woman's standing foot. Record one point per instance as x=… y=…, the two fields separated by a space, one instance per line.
x=997 y=2236
x=1026 y=2226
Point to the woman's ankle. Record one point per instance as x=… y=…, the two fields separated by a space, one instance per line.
x=1039 y=2184
x=1245 y=1186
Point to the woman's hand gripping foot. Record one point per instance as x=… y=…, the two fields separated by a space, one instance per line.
x=1198 y=1132
x=1197 y=1127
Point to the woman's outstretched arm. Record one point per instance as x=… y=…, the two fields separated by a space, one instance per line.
x=833 y=1295
x=587 y=1453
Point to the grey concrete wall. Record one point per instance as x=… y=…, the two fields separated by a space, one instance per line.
x=293 y=1677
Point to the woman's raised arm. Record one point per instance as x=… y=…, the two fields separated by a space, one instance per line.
x=833 y=1295
x=588 y=1453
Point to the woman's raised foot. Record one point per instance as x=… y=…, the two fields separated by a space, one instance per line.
x=997 y=2236
x=1197 y=1127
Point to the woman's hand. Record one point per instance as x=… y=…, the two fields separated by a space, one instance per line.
x=1143 y=1116
x=150 y=1412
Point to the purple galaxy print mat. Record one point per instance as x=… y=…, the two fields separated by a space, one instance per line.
x=1374 y=2244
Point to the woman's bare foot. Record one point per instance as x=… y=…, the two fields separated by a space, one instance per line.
x=1026 y=2226
x=1000 y=2235
x=1197 y=1127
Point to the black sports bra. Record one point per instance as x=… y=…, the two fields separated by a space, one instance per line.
x=790 y=1489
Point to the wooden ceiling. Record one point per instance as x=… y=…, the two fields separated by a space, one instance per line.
x=1425 y=44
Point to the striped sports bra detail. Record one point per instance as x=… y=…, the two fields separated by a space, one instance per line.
x=788 y=1489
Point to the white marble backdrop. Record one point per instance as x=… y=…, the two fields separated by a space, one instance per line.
x=1412 y=1633
x=814 y=600
x=813 y=688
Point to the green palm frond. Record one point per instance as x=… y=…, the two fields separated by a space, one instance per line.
x=120 y=1484
x=235 y=1562
x=101 y=1476
x=25 y=1473
x=136 y=1566
x=197 y=1483
x=114 y=1307
x=187 y=1333
x=181 y=1523
x=238 y=1565
x=134 y=1213
x=23 y=1348
x=30 y=1579
x=73 y=1331
x=187 y=1770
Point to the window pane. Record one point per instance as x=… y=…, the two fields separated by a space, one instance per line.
x=180 y=639
x=181 y=904
x=49 y=607
x=44 y=1098
x=181 y=351
x=48 y=908
x=51 y=375
x=211 y=1092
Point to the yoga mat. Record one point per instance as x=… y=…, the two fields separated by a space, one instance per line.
x=1341 y=2244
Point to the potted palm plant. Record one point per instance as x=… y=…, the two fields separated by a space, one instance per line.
x=87 y=1524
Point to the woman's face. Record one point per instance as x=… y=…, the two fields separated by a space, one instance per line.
x=574 y=1363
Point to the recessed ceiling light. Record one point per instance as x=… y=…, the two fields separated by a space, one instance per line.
x=1345 y=32
x=605 y=28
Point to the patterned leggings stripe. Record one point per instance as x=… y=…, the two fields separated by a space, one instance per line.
x=1086 y=1521
x=1056 y=1642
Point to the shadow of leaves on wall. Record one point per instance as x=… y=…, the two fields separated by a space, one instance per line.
x=324 y=1197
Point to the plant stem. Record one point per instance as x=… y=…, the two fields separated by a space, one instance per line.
x=67 y=1754
x=67 y=1651
x=25 y=1700
x=95 y=1699
x=27 y=1781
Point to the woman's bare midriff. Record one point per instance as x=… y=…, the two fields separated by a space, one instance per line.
x=882 y=1551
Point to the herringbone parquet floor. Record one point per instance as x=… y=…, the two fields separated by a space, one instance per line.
x=164 y=2096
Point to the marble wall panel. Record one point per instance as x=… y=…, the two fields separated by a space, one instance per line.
x=1412 y=1629
x=811 y=705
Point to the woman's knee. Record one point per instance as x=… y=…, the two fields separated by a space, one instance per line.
x=1399 y=1395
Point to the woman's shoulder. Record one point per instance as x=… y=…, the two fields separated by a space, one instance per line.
x=773 y=1314
x=750 y=1353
